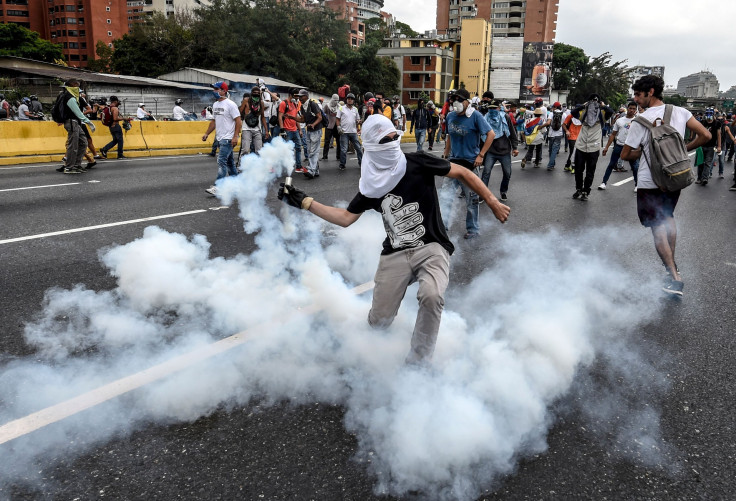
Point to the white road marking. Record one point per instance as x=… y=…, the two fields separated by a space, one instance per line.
x=99 y=226
x=32 y=422
x=36 y=187
x=624 y=181
x=730 y=264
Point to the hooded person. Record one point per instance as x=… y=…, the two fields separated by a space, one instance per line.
x=401 y=187
x=593 y=114
x=504 y=145
x=331 y=108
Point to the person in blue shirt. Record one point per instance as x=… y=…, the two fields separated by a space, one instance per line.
x=465 y=126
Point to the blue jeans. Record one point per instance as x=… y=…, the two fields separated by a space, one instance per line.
x=117 y=139
x=293 y=136
x=353 y=138
x=554 y=148
x=488 y=163
x=225 y=161
x=471 y=201
x=420 y=135
x=614 y=161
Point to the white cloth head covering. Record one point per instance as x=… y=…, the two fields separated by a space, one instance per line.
x=332 y=104
x=383 y=165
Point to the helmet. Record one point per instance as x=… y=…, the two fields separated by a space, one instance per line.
x=26 y=100
x=141 y=105
x=350 y=96
x=178 y=102
x=368 y=95
x=34 y=97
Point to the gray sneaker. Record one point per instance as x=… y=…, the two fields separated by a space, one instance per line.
x=674 y=287
x=72 y=171
x=212 y=190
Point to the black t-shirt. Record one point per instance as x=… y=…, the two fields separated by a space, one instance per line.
x=713 y=128
x=411 y=211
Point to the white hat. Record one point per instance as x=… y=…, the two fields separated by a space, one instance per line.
x=141 y=105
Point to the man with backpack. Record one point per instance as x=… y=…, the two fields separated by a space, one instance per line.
x=66 y=111
x=656 y=198
x=555 y=133
x=311 y=116
x=254 y=122
x=111 y=118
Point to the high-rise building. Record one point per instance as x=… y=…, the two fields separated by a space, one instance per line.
x=75 y=24
x=357 y=12
x=639 y=71
x=701 y=84
x=475 y=52
x=533 y=20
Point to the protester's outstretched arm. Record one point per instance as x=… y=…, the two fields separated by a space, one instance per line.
x=297 y=198
x=469 y=179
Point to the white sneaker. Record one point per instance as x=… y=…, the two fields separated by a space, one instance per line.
x=212 y=190
x=635 y=188
x=602 y=186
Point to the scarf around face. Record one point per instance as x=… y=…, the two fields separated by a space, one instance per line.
x=74 y=91
x=591 y=113
x=383 y=165
x=333 y=104
x=498 y=123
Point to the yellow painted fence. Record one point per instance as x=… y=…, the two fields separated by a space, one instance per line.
x=44 y=141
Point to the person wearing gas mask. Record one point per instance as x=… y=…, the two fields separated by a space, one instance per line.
x=465 y=126
x=401 y=187
x=705 y=168
x=434 y=123
x=592 y=114
x=420 y=122
x=178 y=112
x=331 y=108
x=504 y=145
x=254 y=122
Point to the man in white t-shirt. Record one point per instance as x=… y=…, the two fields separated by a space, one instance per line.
x=656 y=207
x=179 y=112
x=348 y=123
x=228 y=125
x=618 y=139
x=142 y=114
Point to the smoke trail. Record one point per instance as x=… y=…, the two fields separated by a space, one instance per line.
x=510 y=346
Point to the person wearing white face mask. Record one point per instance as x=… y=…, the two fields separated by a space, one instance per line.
x=465 y=126
x=417 y=249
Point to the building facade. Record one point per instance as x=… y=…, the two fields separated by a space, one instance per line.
x=427 y=66
x=357 y=12
x=697 y=85
x=475 y=56
x=75 y=24
x=532 y=20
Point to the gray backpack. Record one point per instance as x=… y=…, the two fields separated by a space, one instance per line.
x=668 y=161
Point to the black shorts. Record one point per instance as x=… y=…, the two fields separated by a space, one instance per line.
x=655 y=205
x=86 y=131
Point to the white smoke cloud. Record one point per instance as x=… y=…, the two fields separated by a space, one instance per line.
x=510 y=348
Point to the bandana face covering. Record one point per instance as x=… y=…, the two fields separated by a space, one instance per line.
x=384 y=164
x=591 y=114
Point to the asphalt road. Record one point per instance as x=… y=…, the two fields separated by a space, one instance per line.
x=303 y=452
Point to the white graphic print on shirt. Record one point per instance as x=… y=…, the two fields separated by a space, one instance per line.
x=403 y=223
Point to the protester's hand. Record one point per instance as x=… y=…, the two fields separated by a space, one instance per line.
x=204 y=137
x=292 y=195
x=478 y=160
x=234 y=141
x=500 y=210
x=339 y=130
x=718 y=150
x=605 y=150
x=515 y=153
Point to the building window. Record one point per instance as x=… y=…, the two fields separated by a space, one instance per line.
x=109 y=45
x=74 y=57
x=107 y=9
x=500 y=15
x=73 y=45
x=109 y=21
x=80 y=8
x=414 y=94
x=82 y=45
x=500 y=25
x=84 y=57
x=70 y=8
x=427 y=60
x=81 y=20
x=414 y=77
x=71 y=20
x=82 y=33
x=73 y=33
x=109 y=33
x=16 y=2
x=18 y=13
x=416 y=60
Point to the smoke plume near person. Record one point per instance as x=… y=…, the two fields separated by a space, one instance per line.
x=510 y=346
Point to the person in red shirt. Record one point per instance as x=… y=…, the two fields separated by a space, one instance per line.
x=288 y=110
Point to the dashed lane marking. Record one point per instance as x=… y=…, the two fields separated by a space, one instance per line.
x=100 y=226
x=55 y=413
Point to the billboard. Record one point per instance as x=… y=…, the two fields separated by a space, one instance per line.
x=536 y=70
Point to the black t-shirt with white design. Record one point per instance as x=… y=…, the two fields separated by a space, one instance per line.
x=411 y=211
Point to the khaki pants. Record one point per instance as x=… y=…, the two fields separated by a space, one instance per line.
x=76 y=144
x=430 y=266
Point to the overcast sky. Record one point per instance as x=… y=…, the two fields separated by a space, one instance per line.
x=684 y=36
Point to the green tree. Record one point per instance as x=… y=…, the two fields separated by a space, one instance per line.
x=583 y=75
x=676 y=99
x=376 y=30
x=15 y=40
x=405 y=29
x=103 y=63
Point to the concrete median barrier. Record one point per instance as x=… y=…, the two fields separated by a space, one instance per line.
x=39 y=142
